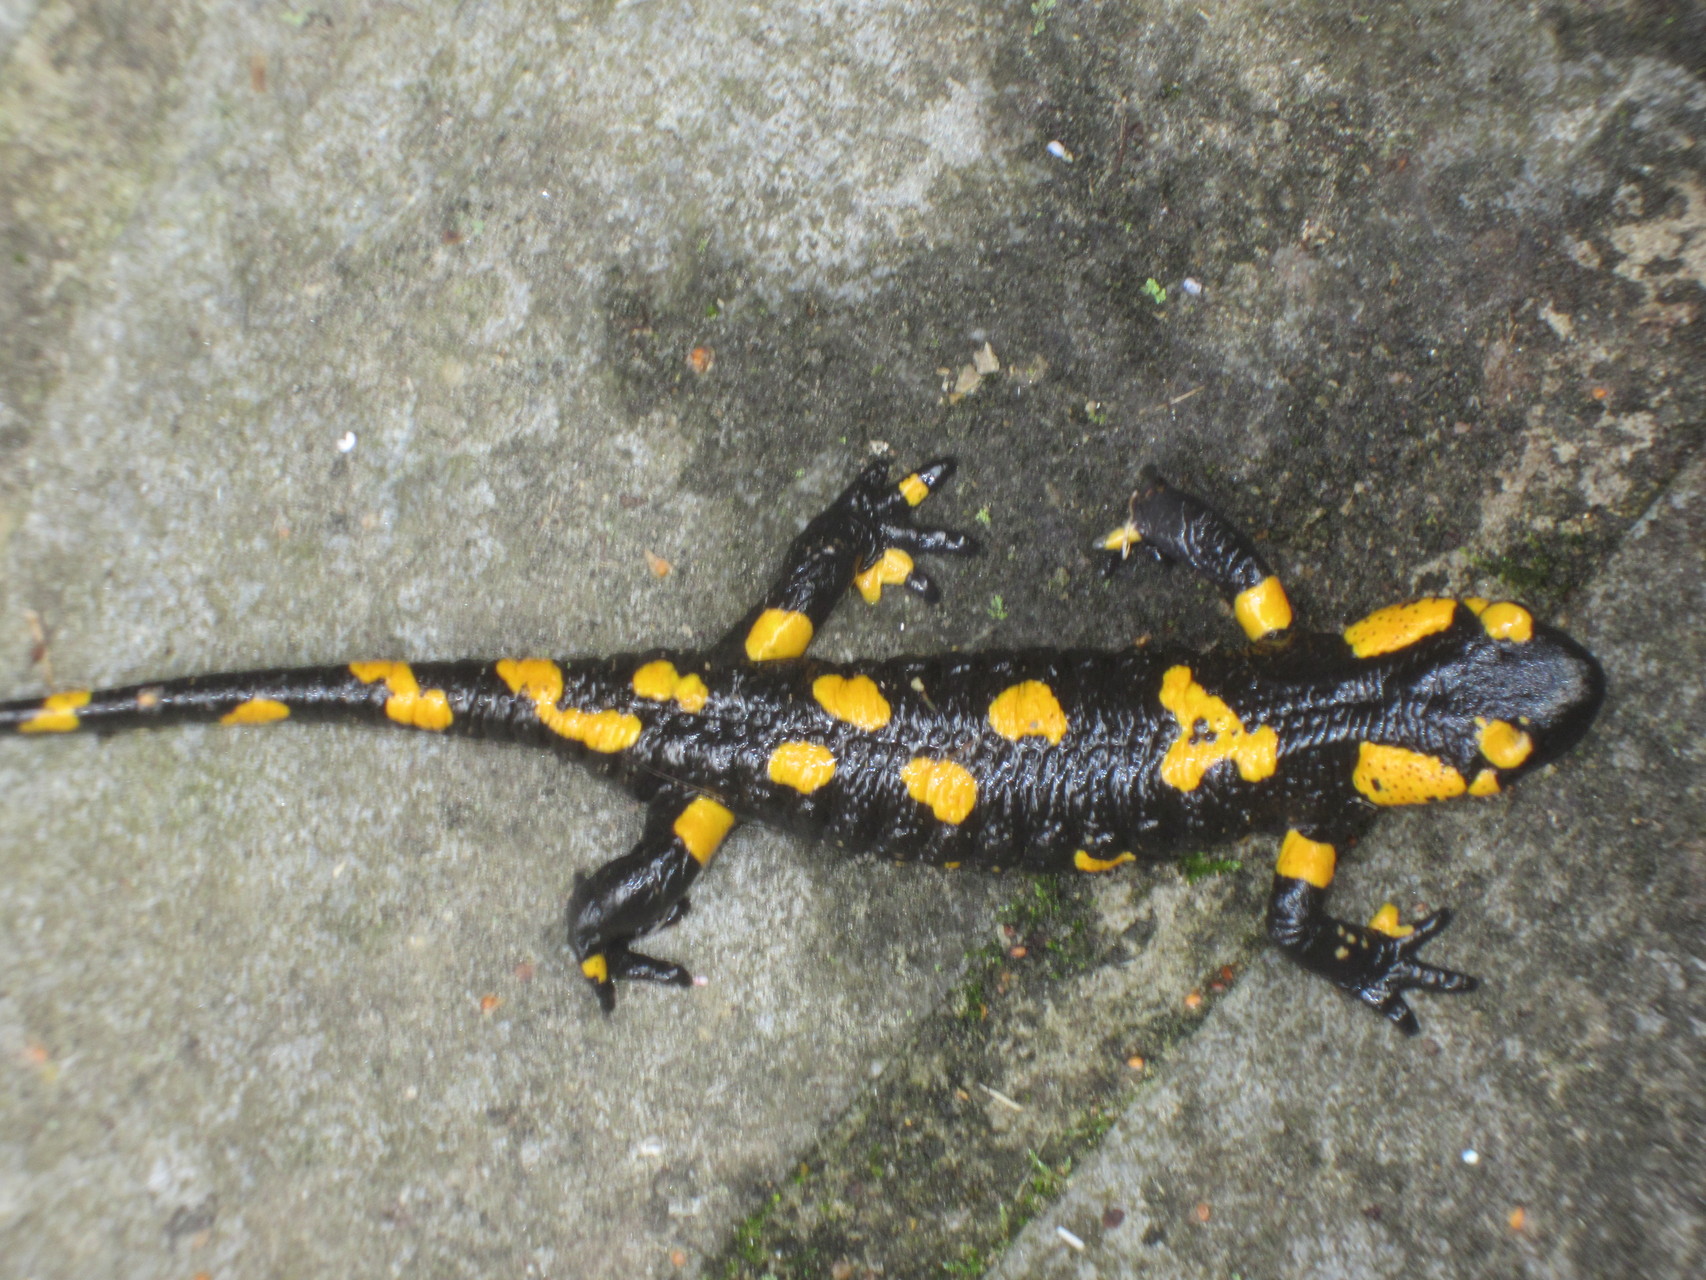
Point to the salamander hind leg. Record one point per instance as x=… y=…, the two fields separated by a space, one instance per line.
x=643 y=891
x=1376 y=962
x=1168 y=524
x=865 y=539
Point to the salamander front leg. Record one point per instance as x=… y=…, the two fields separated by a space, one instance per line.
x=1168 y=524
x=1376 y=963
x=643 y=891
x=866 y=539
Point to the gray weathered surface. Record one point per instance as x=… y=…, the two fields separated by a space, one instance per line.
x=1450 y=329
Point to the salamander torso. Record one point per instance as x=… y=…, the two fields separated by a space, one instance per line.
x=1040 y=759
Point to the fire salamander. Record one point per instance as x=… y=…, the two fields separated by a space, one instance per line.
x=1042 y=759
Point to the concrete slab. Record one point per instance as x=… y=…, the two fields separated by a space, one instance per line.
x=351 y=330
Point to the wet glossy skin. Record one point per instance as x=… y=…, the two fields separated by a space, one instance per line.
x=1044 y=759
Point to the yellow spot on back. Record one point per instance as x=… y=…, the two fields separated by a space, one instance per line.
x=1505 y=745
x=1310 y=861
x=804 y=766
x=1386 y=921
x=256 y=711
x=1399 y=625
x=949 y=791
x=408 y=704
x=778 y=633
x=857 y=702
x=541 y=682
x=1507 y=621
x=1029 y=707
x=1263 y=609
x=890 y=570
x=1086 y=862
x=1392 y=775
x=660 y=682
x=597 y=968
x=1486 y=783
x=58 y=713
x=913 y=490
x=702 y=826
x=1209 y=732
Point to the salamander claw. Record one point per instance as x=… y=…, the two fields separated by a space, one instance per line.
x=930 y=542
x=1377 y=968
x=635 y=967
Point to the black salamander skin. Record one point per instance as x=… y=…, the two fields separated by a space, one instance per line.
x=1047 y=760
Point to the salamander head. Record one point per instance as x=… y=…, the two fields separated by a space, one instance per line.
x=1481 y=692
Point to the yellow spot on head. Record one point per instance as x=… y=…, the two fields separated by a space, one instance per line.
x=1399 y=625
x=1486 y=783
x=857 y=702
x=256 y=711
x=1310 y=861
x=597 y=968
x=892 y=569
x=541 y=682
x=1386 y=921
x=1028 y=708
x=408 y=704
x=804 y=766
x=58 y=713
x=1209 y=732
x=778 y=633
x=1263 y=609
x=1507 y=621
x=659 y=682
x=947 y=789
x=1392 y=775
x=702 y=826
x=1504 y=745
x=1085 y=862
x=913 y=490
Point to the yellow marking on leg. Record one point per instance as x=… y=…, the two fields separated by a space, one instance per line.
x=408 y=704
x=702 y=826
x=1507 y=621
x=857 y=701
x=660 y=682
x=804 y=766
x=778 y=633
x=1392 y=775
x=1310 y=861
x=1486 y=783
x=913 y=490
x=1086 y=862
x=1262 y=609
x=1029 y=707
x=1386 y=921
x=58 y=713
x=1399 y=625
x=1209 y=732
x=256 y=711
x=947 y=789
x=597 y=968
x=892 y=569
x=1122 y=539
x=1505 y=745
x=541 y=681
